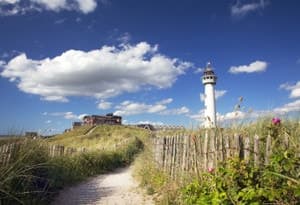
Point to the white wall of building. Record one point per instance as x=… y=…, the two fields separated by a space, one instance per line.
x=210 y=105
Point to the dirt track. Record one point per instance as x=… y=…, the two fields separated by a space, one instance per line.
x=117 y=188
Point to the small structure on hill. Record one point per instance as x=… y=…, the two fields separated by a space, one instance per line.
x=146 y=126
x=108 y=119
x=76 y=124
x=31 y=134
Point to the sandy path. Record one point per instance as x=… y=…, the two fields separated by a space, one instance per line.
x=117 y=188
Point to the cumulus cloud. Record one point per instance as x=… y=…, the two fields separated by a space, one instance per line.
x=21 y=7
x=103 y=105
x=177 y=111
x=257 y=66
x=241 y=10
x=149 y=122
x=66 y=115
x=199 y=70
x=253 y=114
x=289 y=107
x=101 y=73
x=295 y=89
x=218 y=94
x=160 y=107
x=198 y=116
x=134 y=108
x=231 y=116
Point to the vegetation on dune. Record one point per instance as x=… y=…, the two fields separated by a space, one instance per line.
x=235 y=181
x=33 y=177
x=14 y=139
x=104 y=137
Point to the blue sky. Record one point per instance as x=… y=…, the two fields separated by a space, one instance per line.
x=60 y=60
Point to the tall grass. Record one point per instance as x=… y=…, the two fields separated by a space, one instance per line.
x=103 y=137
x=279 y=177
x=33 y=177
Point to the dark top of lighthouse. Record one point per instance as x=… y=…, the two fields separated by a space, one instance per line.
x=209 y=76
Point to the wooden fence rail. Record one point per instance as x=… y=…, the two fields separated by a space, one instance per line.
x=186 y=153
x=8 y=151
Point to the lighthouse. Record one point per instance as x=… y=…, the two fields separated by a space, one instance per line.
x=209 y=80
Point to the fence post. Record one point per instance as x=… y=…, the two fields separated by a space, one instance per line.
x=184 y=153
x=211 y=150
x=227 y=147
x=205 y=150
x=268 y=149
x=236 y=142
x=164 y=141
x=247 y=149
x=256 y=150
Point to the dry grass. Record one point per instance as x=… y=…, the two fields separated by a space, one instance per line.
x=104 y=137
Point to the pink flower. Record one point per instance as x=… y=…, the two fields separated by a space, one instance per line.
x=276 y=121
x=210 y=170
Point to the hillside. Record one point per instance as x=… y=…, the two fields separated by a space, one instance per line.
x=102 y=137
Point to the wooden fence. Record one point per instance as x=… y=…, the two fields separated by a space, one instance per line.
x=8 y=151
x=186 y=153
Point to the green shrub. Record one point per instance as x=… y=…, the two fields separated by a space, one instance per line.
x=237 y=182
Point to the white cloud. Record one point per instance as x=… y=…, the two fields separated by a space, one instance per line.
x=176 y=111
x=218 y=94
x=160 y=107
x=165 y=101
x=100 y=73
x=134 y=108
x=87 y=6
x=149 y=122
x=55 y=98
x=289 y=107
x=66 y=115
x=236 y=115
x=298 y=61
x=9 y=1
x=257 y=66
x=124 y=38
x=295 y=89
x=241 y=10
x=80 y=117
x=60 y=21
x=20 y=7
x=48 y=121
x=199 y=70
x=103 y=105
x=199 y=116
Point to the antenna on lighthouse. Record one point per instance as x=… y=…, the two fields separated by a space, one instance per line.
x=209 y=80
x=208 y=66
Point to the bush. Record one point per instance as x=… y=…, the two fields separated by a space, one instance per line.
x=237 y=182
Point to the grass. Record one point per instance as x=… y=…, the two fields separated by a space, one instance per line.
x=7 y=140
x=103 y=137
x=169 y=191
x=33 y=177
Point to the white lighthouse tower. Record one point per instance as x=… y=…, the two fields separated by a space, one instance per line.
x=209 y=80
